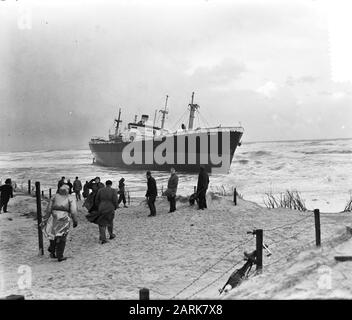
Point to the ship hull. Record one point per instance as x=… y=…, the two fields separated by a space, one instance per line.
x=169 y=152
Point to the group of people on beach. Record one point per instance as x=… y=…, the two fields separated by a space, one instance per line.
x=75 y=187
x=170 y=193
x=101 y=201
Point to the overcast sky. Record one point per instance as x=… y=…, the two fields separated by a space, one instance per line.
x=279 y=68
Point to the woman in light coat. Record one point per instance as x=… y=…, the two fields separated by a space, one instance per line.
x=61 y=210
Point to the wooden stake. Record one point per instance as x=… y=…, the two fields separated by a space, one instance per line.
x=144 y=294
x=39 y=217
x=29 y=186
x=259 y=248
x=50 y=193
x=317 y=227
x=235 y=196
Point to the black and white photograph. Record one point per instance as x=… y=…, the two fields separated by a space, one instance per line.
x=175 y=150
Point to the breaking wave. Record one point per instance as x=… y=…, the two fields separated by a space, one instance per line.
x=243 y=161
x=259 y=153
x=326 y=152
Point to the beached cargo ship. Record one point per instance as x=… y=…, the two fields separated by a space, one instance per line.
x=144 y=146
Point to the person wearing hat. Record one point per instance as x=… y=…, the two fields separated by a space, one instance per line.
x=61 y=210
x=151 y=194
x=122 y=197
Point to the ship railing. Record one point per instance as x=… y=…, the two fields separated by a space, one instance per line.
x=207 y=130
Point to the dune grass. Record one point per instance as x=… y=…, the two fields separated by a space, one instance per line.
x=289 y=199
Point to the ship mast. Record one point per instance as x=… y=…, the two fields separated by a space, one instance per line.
x=192 y=108
x=118 y=121
x=155 y=117
x=164 y=112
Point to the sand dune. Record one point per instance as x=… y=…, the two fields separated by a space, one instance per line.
x=171 y=254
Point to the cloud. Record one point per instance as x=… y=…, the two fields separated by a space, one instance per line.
x=269 y=89
x=292 y=81
x=219 y=75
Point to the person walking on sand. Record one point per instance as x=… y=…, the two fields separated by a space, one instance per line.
x=89 y=203
x=85 y=192
x=6 y=192
x=121 y=193
x=70 y=186
x=202 y=186
x=106 y=201
x=151 y=194
x=60 y=183
x=77 y=187
x=61 y=210
x=171 y=190
x=96 y=181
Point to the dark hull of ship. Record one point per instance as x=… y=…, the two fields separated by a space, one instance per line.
x=109 y=154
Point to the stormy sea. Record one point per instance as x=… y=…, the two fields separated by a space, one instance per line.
x=320 y=170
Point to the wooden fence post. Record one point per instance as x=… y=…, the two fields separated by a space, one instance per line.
x=235 y=196
x=39 y=217
x=49 y=193
x=259 y=248
x=128 y=197
x=317 y=227
x=29 y=186
x=144 y=294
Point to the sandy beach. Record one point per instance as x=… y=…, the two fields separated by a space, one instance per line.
x=187 y=254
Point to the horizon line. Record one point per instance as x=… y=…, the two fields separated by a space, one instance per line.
x=245 y=142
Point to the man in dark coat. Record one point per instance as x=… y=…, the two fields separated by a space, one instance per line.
x=85 y=190
x=89 y=203
x=96 y=181
x=70 y=186
x=6 y=192
x=171 y=190
x=106 y=200
x=151 y=194
x=77 y=187
x=202 y=186
x=60 y=183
